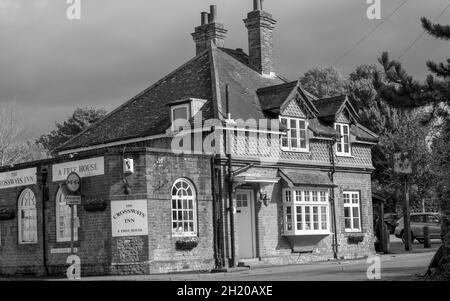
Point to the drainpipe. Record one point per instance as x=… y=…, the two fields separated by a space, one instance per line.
x=215 y=228
x=333 y=207
x=230 y=181
x=43 y=178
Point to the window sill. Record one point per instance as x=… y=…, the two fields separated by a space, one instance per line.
x=27 y=243
x=350 y=232
x=345 y=156
x=286 y=150
x=184 y=235
x=310 y=233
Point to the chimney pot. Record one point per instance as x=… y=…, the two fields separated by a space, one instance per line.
x=262 y=5
x=256 y=5
x=204 y=18
x=213 y=14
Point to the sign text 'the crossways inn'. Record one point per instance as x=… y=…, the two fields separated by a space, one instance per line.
x=23 y=177
x=84 y=168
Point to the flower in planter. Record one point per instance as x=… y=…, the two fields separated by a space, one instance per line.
x=93 y=205
x=186 y=244
x=7 y=214
x=355 y=239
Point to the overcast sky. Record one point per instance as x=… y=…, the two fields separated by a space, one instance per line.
x=49 y=65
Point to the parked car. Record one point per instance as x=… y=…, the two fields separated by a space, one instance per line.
x=418 y=221
x=390 y=220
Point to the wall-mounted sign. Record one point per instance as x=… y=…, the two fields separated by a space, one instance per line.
x=73 y=182
x=18 y=178
x=73 y=199
x=129 y=218
x=84 y=168
x=402 y=163
x=128 y=165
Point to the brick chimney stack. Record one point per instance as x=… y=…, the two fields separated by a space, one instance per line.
x=209 y=30
x=260 y=25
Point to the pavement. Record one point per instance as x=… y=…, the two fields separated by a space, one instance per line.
x=399 y=265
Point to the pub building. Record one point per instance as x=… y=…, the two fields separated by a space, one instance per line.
x=293 y=189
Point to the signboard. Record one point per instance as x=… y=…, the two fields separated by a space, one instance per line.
x=18 y=178
x=84 y=168
x=73 y=182
x=73 y=199
x=62 y=250
x=402 y=163
x=129 y=218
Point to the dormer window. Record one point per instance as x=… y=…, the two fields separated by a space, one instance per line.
x=343 y=143
x=180 y=114
x=296 y=138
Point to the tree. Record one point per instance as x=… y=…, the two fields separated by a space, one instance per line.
x=13 y=150
x=397 y=129
x=400 y=90
x=80 y=119
x=323 y=82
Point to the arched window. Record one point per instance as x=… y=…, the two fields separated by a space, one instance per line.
x=63 y=216
x=184 y=208
x=27 y=217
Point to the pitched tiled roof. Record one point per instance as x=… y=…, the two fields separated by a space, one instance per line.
x=363 y=134
x=243 y=83
x=329 y=106
x=147 y=114
x=204 y=77
x=274 y=96
x=307 y=178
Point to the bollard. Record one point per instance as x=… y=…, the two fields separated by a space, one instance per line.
x=426 y=237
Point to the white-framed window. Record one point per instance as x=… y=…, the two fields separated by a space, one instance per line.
x=352 y=211
x=179 y=115
x=343 y=144
x=306 y=211
x=27 y=217
x=296 y=138
x=63 y=219
x=184 y=208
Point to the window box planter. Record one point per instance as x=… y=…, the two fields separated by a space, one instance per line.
x=186 y=244
x=7 y=214
x=355 y=239
x=95 y=205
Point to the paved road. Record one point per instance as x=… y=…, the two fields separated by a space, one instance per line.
x=394 y=267
x=398 y=265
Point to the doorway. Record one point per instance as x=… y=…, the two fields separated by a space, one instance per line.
x=245 y=213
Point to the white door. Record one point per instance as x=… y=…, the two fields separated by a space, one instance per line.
x=245 y=224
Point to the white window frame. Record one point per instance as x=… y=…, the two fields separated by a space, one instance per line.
x=341 y=141
x=303 y=197
x=352 y=205
x=58 y=204
x=173 y=108
x=30 y=208
x=173 y=210
x=298 y=136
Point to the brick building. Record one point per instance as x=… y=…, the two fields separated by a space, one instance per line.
x=222 y=162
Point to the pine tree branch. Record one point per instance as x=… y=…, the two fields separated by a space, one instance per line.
x=437 y=30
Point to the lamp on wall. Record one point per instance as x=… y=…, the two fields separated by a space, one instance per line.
x=126 y=187
x=262 y=195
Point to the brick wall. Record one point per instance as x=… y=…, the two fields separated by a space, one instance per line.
x=99 y=252
x=274 y=248
x=15 y=258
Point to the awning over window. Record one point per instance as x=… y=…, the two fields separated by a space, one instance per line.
x=255 y=178
x=306 y=178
